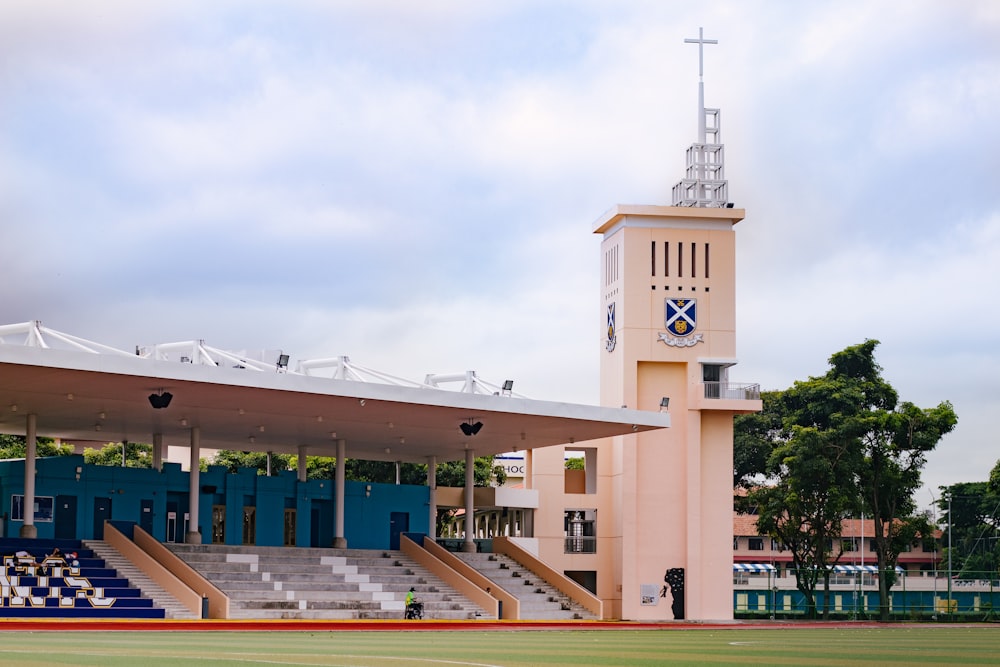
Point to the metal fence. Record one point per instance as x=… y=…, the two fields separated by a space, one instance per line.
x=732 y=390
x=858 y=596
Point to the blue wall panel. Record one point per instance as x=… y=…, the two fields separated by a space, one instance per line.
x=367 y=506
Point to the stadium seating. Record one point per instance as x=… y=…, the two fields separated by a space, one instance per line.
x=36 y=587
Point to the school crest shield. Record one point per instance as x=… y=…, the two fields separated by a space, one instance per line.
x=681 y=316
x=610 y=342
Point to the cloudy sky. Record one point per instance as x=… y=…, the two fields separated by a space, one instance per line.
x=414 y=184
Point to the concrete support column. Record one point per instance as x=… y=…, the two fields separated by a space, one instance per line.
x=193 y=535
x=29 y=530
x=157 y=451
x=302 y=463
x=529 y=469
x=339 y=540
x=432 y=494
x=469 y=545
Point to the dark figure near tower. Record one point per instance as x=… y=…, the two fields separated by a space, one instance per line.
x=674 y=580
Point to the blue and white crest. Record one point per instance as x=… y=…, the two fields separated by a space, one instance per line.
x=612 y=336
x=681 y=316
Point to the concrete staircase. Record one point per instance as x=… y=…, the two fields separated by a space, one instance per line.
x=539 y=600
x=148 y=588
x=312 y=583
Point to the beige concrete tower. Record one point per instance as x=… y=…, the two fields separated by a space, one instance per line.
x=648 y=524
x=668 y=301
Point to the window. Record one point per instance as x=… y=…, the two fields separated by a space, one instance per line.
x=847 y=545
x=581 y=471
x=756 y=543
x=43 y=508
x=218 y=524
x=736 y=543
x=714 y=377
x=580 y=530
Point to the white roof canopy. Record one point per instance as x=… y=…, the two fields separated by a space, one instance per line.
x=85 y=391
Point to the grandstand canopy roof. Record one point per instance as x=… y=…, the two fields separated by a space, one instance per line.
x=83 y=391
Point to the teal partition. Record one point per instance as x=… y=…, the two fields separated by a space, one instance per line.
x=73 y=500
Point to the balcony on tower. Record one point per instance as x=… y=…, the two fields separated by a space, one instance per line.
x=716 y=392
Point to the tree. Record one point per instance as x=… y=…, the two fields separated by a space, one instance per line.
x=450 y=473
x=136 y=455
x=384 y=472
x=896 y=439
x=847 y=431
x=317 y=467
x=15 y=447
x=972 y=512
x=234 y=460
x=754 y=437
x=804 y=508
x=484 y=473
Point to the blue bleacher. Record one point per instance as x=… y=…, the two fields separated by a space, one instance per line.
x=104 y=585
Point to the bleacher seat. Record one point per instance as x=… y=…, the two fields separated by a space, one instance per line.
x=87 y=590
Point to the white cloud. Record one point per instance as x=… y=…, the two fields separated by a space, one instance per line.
x=413 y=185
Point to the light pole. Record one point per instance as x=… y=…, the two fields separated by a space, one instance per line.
x=950 y=521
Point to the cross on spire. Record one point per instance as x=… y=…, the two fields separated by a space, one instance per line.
x=701 y=42
x=705 y=182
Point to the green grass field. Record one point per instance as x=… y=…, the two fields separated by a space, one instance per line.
x=902 y=645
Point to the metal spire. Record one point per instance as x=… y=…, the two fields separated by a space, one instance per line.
x=704 y=183
x=701 y=42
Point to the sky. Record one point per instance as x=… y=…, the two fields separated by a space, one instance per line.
x=414 y=185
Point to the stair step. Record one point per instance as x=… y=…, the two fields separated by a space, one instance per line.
x=148 y=588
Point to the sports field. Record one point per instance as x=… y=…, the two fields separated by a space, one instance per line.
x=902 y=645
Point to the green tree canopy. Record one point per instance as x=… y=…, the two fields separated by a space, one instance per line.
x=136 y=455
x=449 y=473
x=971 y=511
x=845 y=445
x=15 y=447
x=755 y=436
x=234 y=460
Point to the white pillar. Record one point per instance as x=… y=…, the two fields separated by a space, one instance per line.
x=339 y=540
x=29 y=530
x=469 y=545
x=193 y=535
x=302 y=463
x=432 y=493
x=157 y=451
x=399 y=464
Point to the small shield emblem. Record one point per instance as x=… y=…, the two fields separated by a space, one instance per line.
x=681 y=316
x=610 y=343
